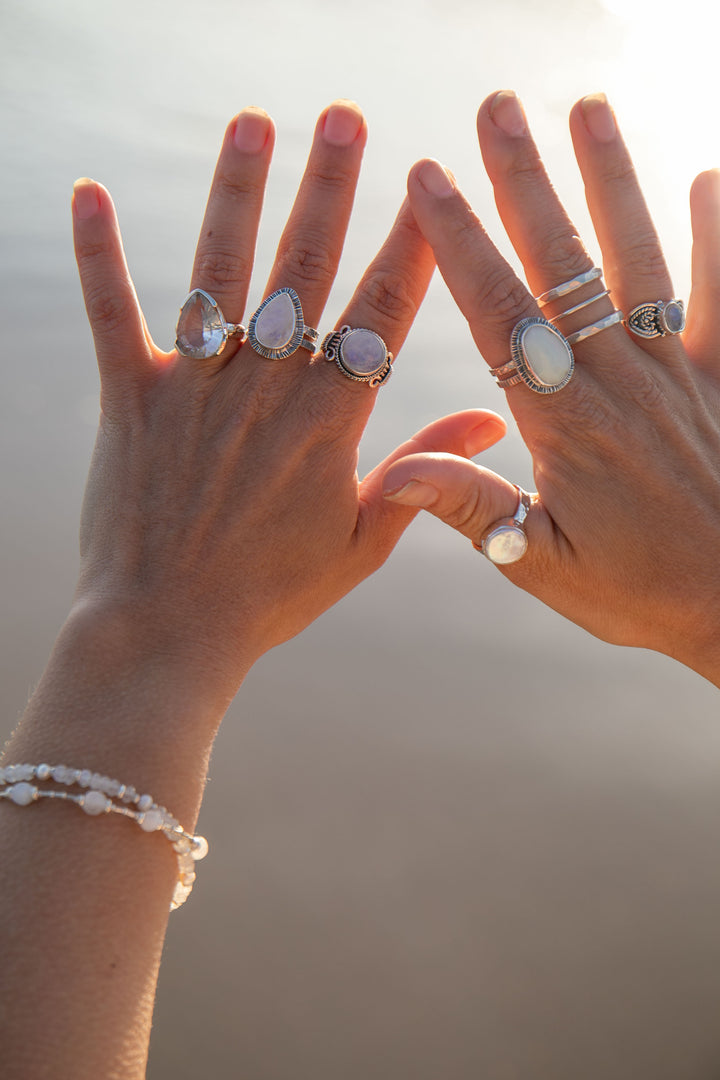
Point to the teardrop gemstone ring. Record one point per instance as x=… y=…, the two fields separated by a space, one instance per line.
x=275 y=330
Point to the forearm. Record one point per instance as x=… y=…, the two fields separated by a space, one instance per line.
x=84 y=901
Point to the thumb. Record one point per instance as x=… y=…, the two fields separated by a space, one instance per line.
x=463 y=494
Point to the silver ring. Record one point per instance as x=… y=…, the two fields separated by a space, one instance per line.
x=596 y=327
x=581 y=305
x=506 y=541
x=360 y=354
x=657 y=320
x=201 y=329
x=541 y=358
x=278 y=327
x=569 y=286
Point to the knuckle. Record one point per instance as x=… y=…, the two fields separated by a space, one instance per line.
x=644 y=259
x=559 y=252
x=108 y=311
x=389 y=295
x=220 y=269
x=233 y=187
x=308 y=260
x=502 y=297
x=330 y=180
x=526 y=170
x=469 y=512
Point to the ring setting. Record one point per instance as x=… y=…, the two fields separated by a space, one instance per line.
x=660 y=319
x=506 y=541
x=201 y=329
x=541 y=358
x=275 y=330
x=361 y=354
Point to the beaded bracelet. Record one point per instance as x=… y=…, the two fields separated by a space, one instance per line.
x=102 y=795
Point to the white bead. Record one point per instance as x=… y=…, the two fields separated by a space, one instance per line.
x=59 y=774
x=145 y=802
x=22 y=794
x=43 y=772
x=94 y=803
x=10 y=773
x=84 y=777
x=151 y=821
x=200 y=848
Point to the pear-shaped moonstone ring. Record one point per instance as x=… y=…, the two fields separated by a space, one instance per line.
x=506 y=541
x=360 y=354
x=275 y=331
x=541 y=358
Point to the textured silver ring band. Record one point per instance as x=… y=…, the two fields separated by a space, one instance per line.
x=596 y=327
x=569 y=286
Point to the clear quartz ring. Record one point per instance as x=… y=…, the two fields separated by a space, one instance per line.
x=541 y=358
x=650 y=320
x=201 y=329
x=360 y=354
x=506 y=541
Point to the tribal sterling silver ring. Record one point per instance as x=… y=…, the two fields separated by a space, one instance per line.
x=656 y=320
x=360 y=354
x=541 y=358
x=201 y=329
x=275 y=331
x=506 y=541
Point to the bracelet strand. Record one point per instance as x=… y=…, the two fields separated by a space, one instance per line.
x=103 y=795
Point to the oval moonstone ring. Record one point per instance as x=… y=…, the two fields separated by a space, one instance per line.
x=506 y=541
x=360 y=354
x=657 y=320
x=541 y=358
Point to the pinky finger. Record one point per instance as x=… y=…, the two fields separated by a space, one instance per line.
x=118 y=327
x=700 y=335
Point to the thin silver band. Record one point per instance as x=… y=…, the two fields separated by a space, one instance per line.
x=580 y=306
x=596 y=327
x=569 y=286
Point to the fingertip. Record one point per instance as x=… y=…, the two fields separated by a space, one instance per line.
x=86 y=200
x=597 y=117
x=252 y=130
x=431 y=177
x=342 y=123
x=705 y=188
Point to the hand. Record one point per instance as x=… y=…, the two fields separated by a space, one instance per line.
x=223 y=512
x=625 y=528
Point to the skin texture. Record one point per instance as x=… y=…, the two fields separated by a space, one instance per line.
x=626 y=520
x=223 y=513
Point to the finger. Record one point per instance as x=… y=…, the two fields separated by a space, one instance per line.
x=226 y=247
x=700 y=334
x=468 y=433
x=634 y=264
x=312 y=242
x=121 y=341
x=536 y=222
x=470 y=499
x=386 y=302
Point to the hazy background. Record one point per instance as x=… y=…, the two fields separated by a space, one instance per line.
x=451 y=835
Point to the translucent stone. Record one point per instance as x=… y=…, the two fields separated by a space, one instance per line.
x=151 y=821
x=59 y=774
x=546 y=353
x=95 y=803
x=505 y=545
x=674 y=316
x=84 y=777
x=113 y=787
x=277 y=322
x=43 y=772
x=201 y=329
x=145 y=802
x=22 y=794
x=363 y=352
x=129 y=795
x=200 y=848
x=9 y=773
x=182 y=845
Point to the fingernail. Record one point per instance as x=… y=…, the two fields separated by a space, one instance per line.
x=342 y=125
x=252 y=128
x=507 y=113
x=599 y=118
x=414 y=493
x=436 y=180
x=85 y=198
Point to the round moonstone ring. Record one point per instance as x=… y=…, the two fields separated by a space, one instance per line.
x=541 y=358
x=360 y=354
x=506 y=541
x=656 y=320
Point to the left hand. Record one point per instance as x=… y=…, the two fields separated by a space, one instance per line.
x=625 y=527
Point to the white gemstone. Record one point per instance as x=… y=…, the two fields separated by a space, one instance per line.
x=151 y=821
x=546 y=353
x=84 y=777
x=22 y=794
x=59 y=774
x=200 y=848
x=201 y=329
x=674 y=317
x=145 y=802
x=506 y=545
x=276 y=323
x=94 y=803
x=363 y=352
x=43 y=772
